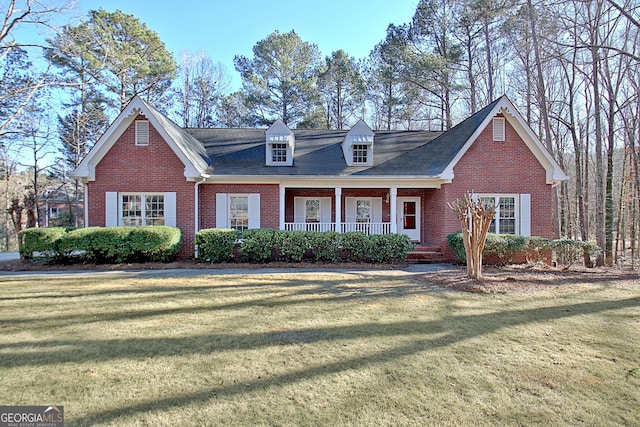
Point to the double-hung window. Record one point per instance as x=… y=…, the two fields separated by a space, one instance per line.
x=142 y=209
x=506 y=218
x=239 y=212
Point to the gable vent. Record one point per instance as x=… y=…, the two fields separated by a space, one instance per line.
x=142 y=132
x=498 y=129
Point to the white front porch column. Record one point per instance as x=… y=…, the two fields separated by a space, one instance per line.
x=338 y=191
x=393 y=209
x=281 y=206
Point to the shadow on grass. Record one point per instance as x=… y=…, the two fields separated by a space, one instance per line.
x=455 y=329
x=276 y=294
x=474 y=326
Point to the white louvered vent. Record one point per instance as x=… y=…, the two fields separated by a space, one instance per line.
x=498 y=129
x=142 y=132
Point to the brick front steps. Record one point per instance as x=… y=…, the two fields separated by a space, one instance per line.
x=425 y=253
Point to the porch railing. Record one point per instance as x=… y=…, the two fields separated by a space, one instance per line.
x=366 y=227
x=345 y=227
x=310 y=226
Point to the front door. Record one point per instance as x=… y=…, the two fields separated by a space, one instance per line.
x=409 y=217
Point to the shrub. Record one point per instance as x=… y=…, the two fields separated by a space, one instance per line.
x=566 y=252
x=390 y=247
x=538 y=250
x=293 y=245
x=324 y=245
x=504 y=246
x=157 y=243
x=258 y=244
x=356 y=246
x=44 y=240
x=456 y=243
x=216 y=244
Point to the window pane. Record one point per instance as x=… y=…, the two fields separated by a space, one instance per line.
x=507 y=215
x=278 y=153
x=239 y=212
x=409 y=217
x=363 y=210
x=312 y=211
x=131 y=209
x=154 y=210
x=360 y=153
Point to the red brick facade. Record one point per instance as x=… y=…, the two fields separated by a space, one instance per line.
x=507 y=167
x=504 y=167
x=152 y=168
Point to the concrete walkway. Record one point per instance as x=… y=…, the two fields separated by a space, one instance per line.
x=9 y=256
x=411 y=269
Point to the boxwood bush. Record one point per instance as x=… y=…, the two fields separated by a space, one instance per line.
x=325 y=245
x=157 y=243
x=216 y=244
x=293 y=245
x=503 y=248
x=356 y=246
x=266 y=245
x=390 y=247
x=258 y=244
x=43 y=240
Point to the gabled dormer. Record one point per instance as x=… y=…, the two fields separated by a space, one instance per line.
x=358 y=145
x=279 y=145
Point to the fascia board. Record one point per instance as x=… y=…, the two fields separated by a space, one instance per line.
x=87 y=168
x=554 y=172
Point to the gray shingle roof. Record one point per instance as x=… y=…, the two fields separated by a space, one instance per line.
x=191 y=147
x=319 y=152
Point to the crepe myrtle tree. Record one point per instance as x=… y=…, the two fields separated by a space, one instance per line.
x=475 y=217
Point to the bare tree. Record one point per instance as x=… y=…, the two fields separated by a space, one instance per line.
x=475 y=217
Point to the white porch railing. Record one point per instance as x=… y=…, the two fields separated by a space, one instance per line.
x=364 y=227
x=309 y=226
x=367 y=227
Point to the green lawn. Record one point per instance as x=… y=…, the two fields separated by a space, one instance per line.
x=324 y=349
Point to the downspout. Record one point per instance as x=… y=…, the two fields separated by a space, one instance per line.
x=86 y=203
x=197 y=215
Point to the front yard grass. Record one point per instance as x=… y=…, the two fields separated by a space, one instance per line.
x=327 y=349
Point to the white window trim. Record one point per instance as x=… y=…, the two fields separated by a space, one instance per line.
x=223 y=219
x=300 y=209
x=516 y=207
x=143 y=209
x=284 y=162
x=368 y=148
x=369 y=161
x=142 y=133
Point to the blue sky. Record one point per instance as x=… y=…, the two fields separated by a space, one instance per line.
x=227 y=28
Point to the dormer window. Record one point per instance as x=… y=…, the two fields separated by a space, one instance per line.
x=358 y=145
x=279 y=145
x=279 y=152
x=360 y=153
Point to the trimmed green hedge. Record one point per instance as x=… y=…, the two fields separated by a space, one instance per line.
x=43 y=240
x=504 y=247
x=267 y=245
x=216 y=244
x=156 y=243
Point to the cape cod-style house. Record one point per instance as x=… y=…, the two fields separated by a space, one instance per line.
x=147 y=170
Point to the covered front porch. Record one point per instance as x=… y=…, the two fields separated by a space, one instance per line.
x=369 y=210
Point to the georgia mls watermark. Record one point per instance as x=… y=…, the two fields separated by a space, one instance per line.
x=31 y=416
